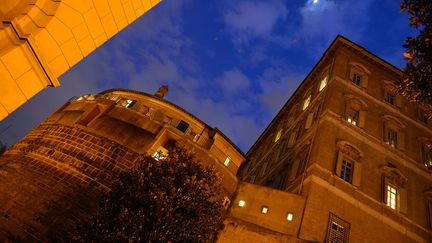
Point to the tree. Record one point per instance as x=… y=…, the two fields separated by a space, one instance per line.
x=2 y=148
x=416 y=83
x=174 y=199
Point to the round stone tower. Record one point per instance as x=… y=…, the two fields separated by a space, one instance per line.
x=47 y=177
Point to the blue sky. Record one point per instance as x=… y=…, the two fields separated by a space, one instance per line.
x=231 y=63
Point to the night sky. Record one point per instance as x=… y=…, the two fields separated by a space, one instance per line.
x=233 y=64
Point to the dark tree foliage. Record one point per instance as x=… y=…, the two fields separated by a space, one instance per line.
x=174 y=199
x=416 y=84
x=2 y=148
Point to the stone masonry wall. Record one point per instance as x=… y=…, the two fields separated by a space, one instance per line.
x=54 y=163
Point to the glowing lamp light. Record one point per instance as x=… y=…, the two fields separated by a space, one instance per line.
x=315 y=1
x=242 y=203
x=290 y=217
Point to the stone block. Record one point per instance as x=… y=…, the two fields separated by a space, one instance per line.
x=93 y=23
x=16 y=61
x=72 y=52
x=59 y=31
x=30 y=83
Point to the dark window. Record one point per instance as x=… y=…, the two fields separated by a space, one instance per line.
x=183 y=126
x=391 y=137
x=346 y=172
x=338 y=230
x=422 y=116
x=357 y=79
x=390 y=98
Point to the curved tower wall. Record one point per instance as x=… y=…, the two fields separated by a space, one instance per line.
x=86 y=143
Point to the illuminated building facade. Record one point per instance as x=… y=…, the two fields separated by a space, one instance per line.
x=86 y=143
x=345 y=159
x=42 y=39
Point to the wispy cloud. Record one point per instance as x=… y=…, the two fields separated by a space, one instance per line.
x=251 y=19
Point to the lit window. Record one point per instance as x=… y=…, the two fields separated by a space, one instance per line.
x=227 y=161
x=290 y=217
x=306 y=102
x=356 y=79
x=264 y=210
x=161 y=153
x=346 y=172
x=390 y=98
x=323 y=83
x=427 y=157
x=128 y=103
x=183 y=126
x=278 y=135
x=391 y=137
x=391 y=195
x=242 y=203
x=352 y=116
x=226 y=202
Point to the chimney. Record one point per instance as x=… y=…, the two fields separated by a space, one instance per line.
x=160 y=93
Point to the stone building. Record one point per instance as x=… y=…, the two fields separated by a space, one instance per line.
x=345 y=159
x=85 y=144
x=42 y=39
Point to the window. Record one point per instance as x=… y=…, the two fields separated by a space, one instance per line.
x=227 y=161
x=128 y=103
x=422 y=116
x=427 y=156
x=323 y=83
x=390 y=98
x=338 y=230
x=264 y=210
x=355 y=110
x=391 y=137
x=183 y=126
x=393 y=132
x=347 y=170
x=356 y=79
x=307 y=102
x=348 y=166
x=161 y=153
x=391 y=194
x=278 y=135
x=394 y=188
x=352 y=116
x=226 y=202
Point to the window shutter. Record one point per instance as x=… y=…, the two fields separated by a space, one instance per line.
x=401 y=140
x=309 y=121
x=294 y=168
x=385 y=139
x=339 y=164
x=357 y=174
x=398 y=101
x=384 y=189
x=403 y=199
x=362 y=118
x=364 y=82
